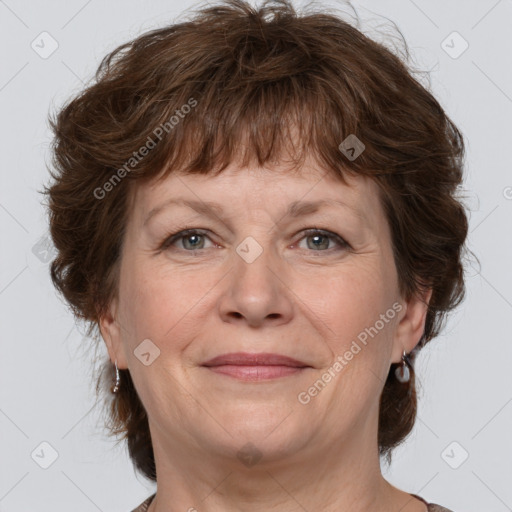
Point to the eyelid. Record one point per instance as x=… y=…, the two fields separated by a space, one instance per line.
x=182 y=233
x=325 y=232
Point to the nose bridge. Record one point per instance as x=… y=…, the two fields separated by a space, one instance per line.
x=254 y=262
x=256 y=290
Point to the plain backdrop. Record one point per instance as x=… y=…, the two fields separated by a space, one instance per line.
x=459 y=454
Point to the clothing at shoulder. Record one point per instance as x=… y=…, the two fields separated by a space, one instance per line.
x=432 y=507
x=145 y=504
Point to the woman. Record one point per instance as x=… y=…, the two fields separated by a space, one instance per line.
x=257 y=212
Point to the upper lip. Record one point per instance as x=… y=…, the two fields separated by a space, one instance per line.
x=258 y=359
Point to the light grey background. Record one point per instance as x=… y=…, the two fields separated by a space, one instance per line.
x=46 y=393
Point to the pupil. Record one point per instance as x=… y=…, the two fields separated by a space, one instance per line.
x=317 y=238
x=192 y=237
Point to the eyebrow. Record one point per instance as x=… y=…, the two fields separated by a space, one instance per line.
x=212 y=209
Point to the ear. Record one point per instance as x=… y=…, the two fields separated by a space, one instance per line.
x=111 y=333
x=411 y=326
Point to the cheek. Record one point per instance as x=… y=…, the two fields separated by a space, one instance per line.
x=350 y=300
x=163 y=303
x=354 y=313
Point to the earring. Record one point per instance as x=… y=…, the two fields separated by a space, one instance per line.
x=115 y=387
x=402 y=373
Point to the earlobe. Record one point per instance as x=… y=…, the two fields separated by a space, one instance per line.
x=111 y=334
x=411 y=325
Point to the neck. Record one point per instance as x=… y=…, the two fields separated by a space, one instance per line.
x=340 y=477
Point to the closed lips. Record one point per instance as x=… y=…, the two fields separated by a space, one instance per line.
x=248 y=359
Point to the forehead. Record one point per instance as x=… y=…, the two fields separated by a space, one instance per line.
x=234 y=180
x=269 y=188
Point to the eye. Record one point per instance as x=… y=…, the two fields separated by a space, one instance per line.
x=192 y=240
x=320 y=240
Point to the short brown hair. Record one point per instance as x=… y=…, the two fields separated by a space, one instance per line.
x=259 y=83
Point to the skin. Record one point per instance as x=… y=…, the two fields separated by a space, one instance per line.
x=304 y=297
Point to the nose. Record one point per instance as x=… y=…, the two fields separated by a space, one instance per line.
x=256 y=290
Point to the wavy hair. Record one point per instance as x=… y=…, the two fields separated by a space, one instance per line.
x=260 y=83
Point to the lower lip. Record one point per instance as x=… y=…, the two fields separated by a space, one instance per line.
x=255 y=372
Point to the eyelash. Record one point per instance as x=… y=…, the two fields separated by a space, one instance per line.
x=169 y=240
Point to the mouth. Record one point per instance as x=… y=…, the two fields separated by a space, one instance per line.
x=255 y=367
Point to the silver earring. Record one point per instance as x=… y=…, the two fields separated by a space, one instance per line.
x=115 y=387
x=402 y=373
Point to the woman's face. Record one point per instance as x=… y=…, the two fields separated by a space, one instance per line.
x=254 y=280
